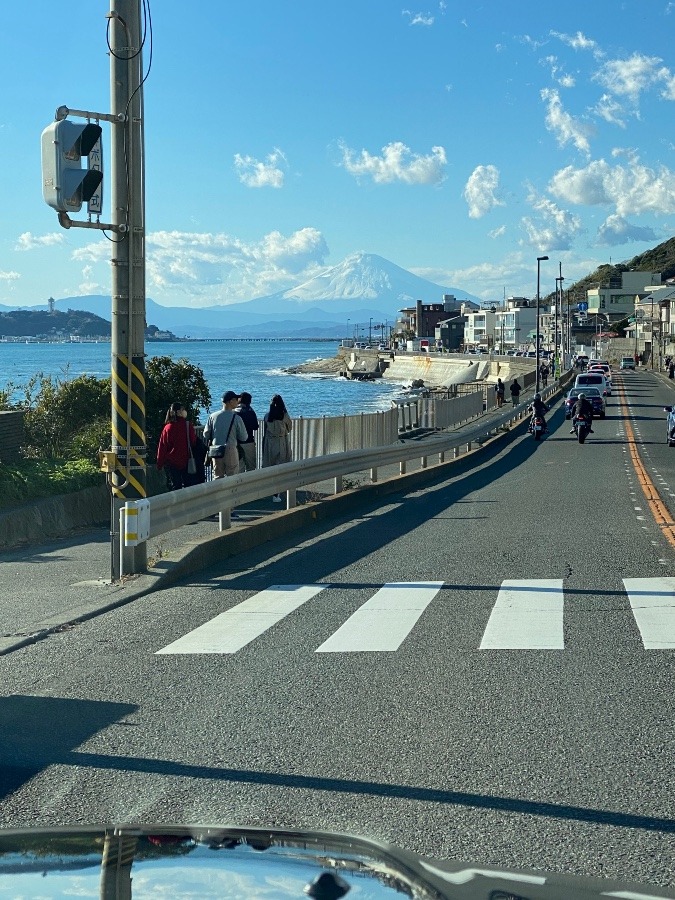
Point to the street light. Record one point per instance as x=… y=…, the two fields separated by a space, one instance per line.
x=370 y=332
x=540 y=259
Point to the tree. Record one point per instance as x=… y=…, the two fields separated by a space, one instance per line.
x=169 y=381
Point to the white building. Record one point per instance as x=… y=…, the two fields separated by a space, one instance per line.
x=616 y=297
x=502 y=327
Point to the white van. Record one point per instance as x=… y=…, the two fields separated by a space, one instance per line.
x=596 y=380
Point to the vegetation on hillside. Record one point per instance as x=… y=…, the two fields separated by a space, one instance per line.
x=60 y=325
x=658 y=259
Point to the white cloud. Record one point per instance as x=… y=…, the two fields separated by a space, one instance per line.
x=578 y=41
x=28 y=241
x=565 y=128
x=9 y=276
x=609 y=109
x=97 y=251
x=397 y=163
x=553 y=229
x=214 y=268
x=630 y=77
x=616 y=230
x=497 y=232
x=256 y=174
x=418 y=18
x=479 y=191
x=557 y=74
x=632 y=189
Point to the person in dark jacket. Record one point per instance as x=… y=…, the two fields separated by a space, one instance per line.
x=538 y=409
x=583 y=408
x=515 y=391
x=247 y=456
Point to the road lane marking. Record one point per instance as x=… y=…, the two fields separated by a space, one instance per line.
x=653 y=603
x=237 y=627
x=657 y=507
x=528 y=615
x=384 y=621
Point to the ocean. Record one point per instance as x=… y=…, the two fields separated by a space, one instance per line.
x=253 y=366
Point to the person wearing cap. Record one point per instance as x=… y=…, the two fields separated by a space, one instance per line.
x=225 y=428
x=247 y=454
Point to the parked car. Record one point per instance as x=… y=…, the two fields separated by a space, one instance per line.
x=592 y=394
x=627 y=362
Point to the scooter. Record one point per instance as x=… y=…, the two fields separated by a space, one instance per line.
x=670 y=425
x=582 y=427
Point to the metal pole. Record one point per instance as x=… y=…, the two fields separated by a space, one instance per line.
x=128 y=271
x=539 y=261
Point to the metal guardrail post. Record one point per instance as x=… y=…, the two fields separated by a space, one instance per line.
x=402 y=468
x=373 y=475
x=291 y=498
x=338 y=488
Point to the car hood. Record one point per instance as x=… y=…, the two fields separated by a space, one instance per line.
x=204 y=861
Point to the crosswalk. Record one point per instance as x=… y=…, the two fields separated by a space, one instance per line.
x=528 y=614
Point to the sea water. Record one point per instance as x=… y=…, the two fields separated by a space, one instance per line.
x=253 y=366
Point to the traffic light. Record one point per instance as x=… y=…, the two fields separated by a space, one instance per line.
x=66 y=185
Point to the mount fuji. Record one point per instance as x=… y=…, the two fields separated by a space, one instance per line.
x=361 y=287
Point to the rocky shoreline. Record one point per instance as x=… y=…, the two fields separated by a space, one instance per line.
x=332 y=366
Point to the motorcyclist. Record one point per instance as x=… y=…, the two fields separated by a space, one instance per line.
x=538 y=409
x=583 y=409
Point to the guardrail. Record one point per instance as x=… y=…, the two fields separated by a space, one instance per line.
x=141 y=520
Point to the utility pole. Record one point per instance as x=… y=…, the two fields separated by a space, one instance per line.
x=128 y=480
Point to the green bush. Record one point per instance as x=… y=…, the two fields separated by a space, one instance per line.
x=35 y=479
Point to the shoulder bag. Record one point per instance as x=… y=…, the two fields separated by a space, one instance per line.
x=192 y=464
x=217 y=451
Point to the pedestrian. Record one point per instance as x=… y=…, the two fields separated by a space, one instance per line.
x=224 y=430
x=175 y=448
x=671 y=369
x=247 y=449
x=500 y=390
x=515 y=392
x=277 y=436
x=543 y=372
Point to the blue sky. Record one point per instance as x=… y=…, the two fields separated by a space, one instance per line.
x=460 y=140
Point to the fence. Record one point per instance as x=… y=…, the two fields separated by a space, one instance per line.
x=336 y=434
x=149 y=518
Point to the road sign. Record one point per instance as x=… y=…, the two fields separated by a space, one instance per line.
x=583 y=306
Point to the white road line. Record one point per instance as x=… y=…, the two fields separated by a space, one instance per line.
x=237 y=627
x=653 y=603
x=384 y=621
x=528 y=615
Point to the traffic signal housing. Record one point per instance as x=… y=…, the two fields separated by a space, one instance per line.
x=66 y=185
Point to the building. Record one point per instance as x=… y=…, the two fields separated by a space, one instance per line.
x=615 y=298
x=420 y=321
x=504 y=328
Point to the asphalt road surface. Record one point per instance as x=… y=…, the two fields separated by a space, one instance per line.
x=481 y=669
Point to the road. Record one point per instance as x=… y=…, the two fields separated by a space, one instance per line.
x=471 y=670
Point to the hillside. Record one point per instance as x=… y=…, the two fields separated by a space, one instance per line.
x=60 y=325
x=658 y=259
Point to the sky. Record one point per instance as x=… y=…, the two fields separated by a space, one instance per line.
x=459 y=140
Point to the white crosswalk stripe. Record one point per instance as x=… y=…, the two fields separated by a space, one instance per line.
x=237 y=627
x=384 y=621
x=527 y=615
x=653 y=603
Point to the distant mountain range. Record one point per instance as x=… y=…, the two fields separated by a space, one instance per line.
x=362 y=287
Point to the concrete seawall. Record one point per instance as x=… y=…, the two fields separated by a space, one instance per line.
x=443 y=371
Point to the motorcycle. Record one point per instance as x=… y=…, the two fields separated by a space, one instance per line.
x=582 y=427
x=670 y=425
x=537 y=427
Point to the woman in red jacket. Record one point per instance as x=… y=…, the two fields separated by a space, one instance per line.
x=176 y=445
